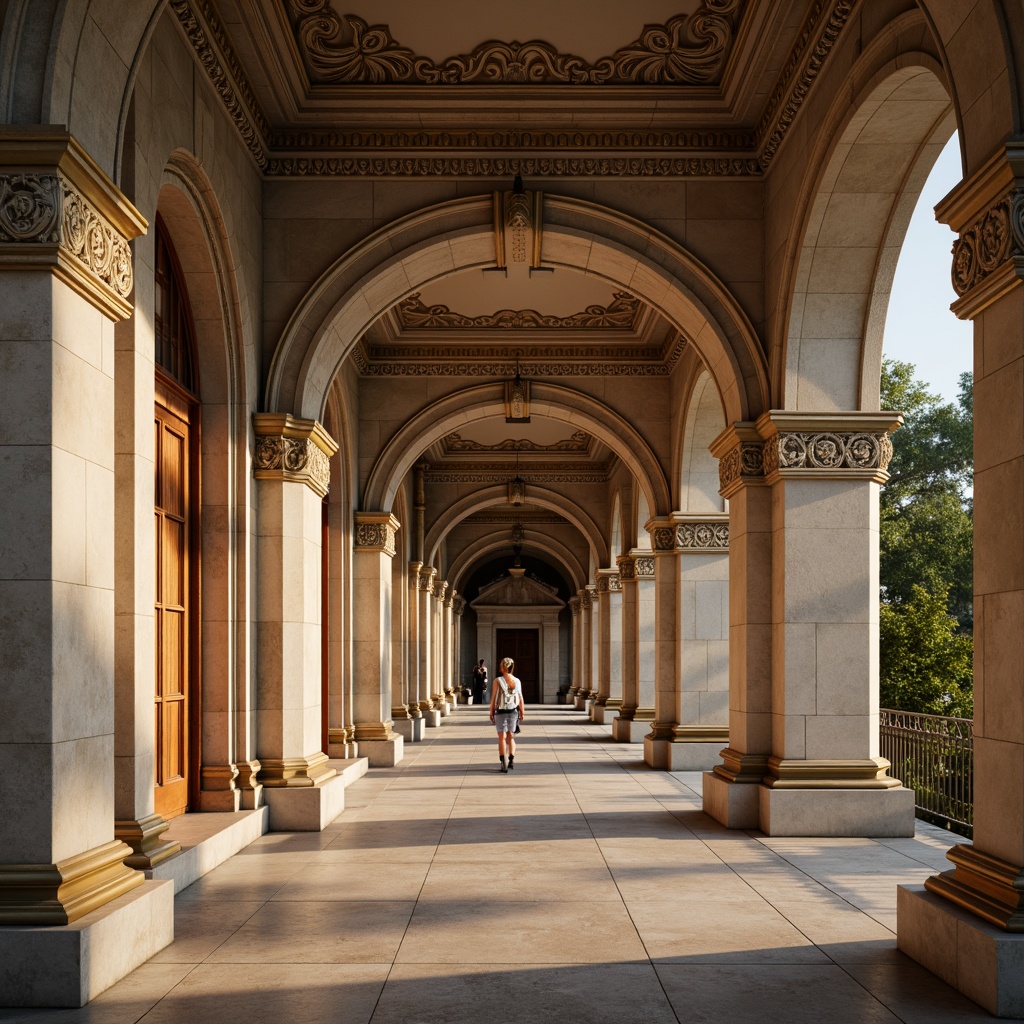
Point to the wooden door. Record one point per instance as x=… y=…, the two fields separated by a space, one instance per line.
x=173 y=605
x=523 y=647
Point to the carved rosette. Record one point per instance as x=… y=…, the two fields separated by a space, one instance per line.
x=69 y=216
x=990 y=241
x=645 y=567
x=710 y=536
x=375 y=531
x=827 y=450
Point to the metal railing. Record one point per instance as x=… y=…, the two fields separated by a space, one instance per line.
x=934 y=756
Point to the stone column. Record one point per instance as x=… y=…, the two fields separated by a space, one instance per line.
x=444 y=695
x=371 y=565
x=966 y=924
x=586 y=648
x=401 y=684
x=428 y=706
x=667 y=655
x=601 y=624
x=292 y=471
x=414 y=723
x=646 y=642
x=66 y=275
x=731 y=792
x=458 y=609
x=575 y=667
x=609 y=696
x=622 y=724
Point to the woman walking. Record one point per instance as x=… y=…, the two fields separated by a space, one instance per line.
x=506 y=712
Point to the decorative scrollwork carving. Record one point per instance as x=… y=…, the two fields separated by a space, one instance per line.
x=614 y=584
x=996 y=236
x=686 y=50
x=746 y=459
x=663 y=538
x=578 y=442
x=46 y=209
x=298 y=456
x=620 y=314
x=827 y=450
x=645 y=567
x=712 y=536
x=627 y=568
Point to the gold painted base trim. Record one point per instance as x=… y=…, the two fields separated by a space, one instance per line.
x=627 y=712
x=986 y=886
x=749 y=769
x=278 y=773
x=643 y=715
x=400 y=713
x=143 y=836
x=58 y=894
x=365 y=731
x=701 y=734
x=865 y=773
x=426 y=705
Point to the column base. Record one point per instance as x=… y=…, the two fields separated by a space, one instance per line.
x=973 y=956
x=836 y=812
x=295 y=772
x=61 y=893
x=606 y=712
x=677 y=754
x=629 y=730
x=384 y=753
x=732 y=804
x=144 y=836
x=410 y=729
x=306 y=808
x=579 y=702
x=431 y=718
x=69 y=965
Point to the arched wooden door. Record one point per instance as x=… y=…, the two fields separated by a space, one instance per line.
x=176 y=504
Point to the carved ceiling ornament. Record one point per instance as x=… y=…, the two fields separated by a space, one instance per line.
x=345 y=49
x=620 y=314
x=578 y=442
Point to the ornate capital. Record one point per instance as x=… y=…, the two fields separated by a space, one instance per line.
x=627 y=567
x=740 y=453
x=375 y=531
x=645 y=567
x=288 y=448
x=574 y=606
x=59 y=210
x=585 y=600
x=414 y=575
x=608 y=581
x=458 y=604
x=987 y=212
x=848 y=444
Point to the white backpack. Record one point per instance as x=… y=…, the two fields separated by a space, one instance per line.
x=509 y=697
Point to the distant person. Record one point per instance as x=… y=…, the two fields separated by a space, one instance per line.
x=507 y=712
x=479 y=682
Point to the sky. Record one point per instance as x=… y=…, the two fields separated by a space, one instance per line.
x=919 y=328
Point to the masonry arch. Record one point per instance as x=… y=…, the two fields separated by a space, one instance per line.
x=698 y=472
x=497 y=494
x=547 y=548
x=486 y=400
x=856 y=216
x=457 y=235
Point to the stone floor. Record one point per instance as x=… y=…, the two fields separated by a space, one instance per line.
x=582 y=887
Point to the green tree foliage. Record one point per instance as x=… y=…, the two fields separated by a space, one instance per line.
x=926 y=548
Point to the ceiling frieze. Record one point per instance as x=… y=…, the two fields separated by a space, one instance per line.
x=526 y=518
x=806 y=60
x=455 y=443
x=345 y=49
x=621 y=314
x=539 y=472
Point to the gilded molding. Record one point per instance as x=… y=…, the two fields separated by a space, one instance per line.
x=375 y=531
x=61 y=893
x=143 y=835
x=792 y=88
x=224 y=72
x=620 y=314
x=984 y=885
x=749 y=769
x=686 y=50
x=854 y=773
x=296 y=772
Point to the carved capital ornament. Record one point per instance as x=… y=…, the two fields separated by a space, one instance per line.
x=375 y=531
x=289 y=448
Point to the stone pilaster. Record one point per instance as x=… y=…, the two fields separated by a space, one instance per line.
x=622 y=724
x=292 y=469
x=373 y=550
x=682 y=736
x=586 y=648
x=576 y=666
x=428 y=707
x=609 y=646
x=66 y=278
x=965 y=925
